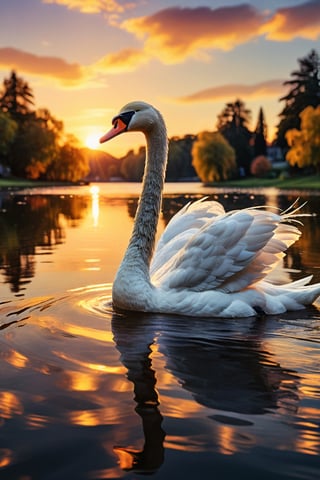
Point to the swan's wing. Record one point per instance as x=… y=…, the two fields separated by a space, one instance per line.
x=182 y=226
x=228 y=253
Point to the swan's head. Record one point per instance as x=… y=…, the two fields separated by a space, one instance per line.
x=134 y=117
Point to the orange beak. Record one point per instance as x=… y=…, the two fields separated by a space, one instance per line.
x=118 y=127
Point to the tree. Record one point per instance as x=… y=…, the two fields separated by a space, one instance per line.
x=132 y=165
x=260 y=134
x=180 y=158
x=213 y=157
x=8 y=129
x=305 y=143
x=69 y=165
x=17 y=97
x=36 y=144
x=304 y=90
x=233 y=125
x=260 y=166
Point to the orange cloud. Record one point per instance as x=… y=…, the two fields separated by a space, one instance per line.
x=291 y=22
x=71 y=74
x=269 y=88
x=53 y=67
x=92 y=6
x=112 y=9
x=175 y=33
x=125 y=60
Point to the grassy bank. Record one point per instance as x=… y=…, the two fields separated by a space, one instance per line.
x=19 y=183
x=309 y=182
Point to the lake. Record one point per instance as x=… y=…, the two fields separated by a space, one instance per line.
x=86 y=393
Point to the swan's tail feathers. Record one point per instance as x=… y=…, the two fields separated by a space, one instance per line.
x=301 y=297
x=294 y=295
x=302 y=282
x=292 y=213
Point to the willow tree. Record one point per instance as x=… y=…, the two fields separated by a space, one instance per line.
x=213 y=157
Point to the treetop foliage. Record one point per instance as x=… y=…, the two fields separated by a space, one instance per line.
x=17 y=98
x=213 y=157
x=304 y=91
x=305 y=143
x=233 y=124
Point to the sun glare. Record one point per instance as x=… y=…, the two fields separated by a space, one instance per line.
x=92 y=140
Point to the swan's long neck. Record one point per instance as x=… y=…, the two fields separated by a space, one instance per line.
x=142 y=241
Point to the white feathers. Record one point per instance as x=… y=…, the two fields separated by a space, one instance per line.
x=229 y=251
x=219 y=264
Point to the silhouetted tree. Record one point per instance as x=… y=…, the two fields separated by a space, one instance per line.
x=304 y=90
x=17 y=97
x=180 y=158
x=36 y=144
x=8 y=129
x=132 y=165
x=233 y=124
x=260 y=134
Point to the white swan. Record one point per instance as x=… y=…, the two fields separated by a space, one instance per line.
x=207 y=262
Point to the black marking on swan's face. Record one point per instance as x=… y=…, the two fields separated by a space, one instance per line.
x=125 y=117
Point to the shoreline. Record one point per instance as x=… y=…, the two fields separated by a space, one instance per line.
x=311 y=182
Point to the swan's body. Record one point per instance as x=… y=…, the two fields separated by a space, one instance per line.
x=207 y=262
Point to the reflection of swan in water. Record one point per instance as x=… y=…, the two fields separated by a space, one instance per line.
x=224 y=371
x=133 y=342
x=207 y=262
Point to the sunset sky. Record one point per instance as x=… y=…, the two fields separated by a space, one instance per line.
x=85 y=59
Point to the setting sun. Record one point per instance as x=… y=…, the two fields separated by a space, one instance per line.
x=92 y=140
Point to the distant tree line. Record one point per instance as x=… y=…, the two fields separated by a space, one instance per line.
x=33 y=143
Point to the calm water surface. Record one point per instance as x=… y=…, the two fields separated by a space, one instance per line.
x=89 y=394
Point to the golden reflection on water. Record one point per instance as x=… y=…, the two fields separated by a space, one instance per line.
x=309 y=440
x=36 y=422
x=87 y=332
x=16 y=359
x=179 y=409
x=6 y=456
x=79 y=381
x=227 y=441
x=96 y=367
x=10 y=405
x=95 y=202
x=90 y=418
x=184 y=443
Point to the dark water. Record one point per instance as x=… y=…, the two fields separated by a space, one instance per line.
x=88 y=394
